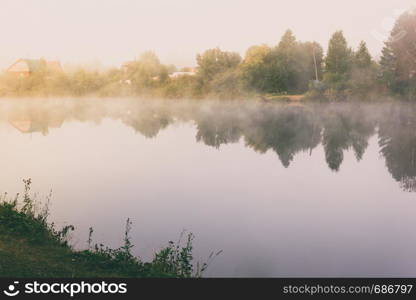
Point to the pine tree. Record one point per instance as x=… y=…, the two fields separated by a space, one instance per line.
x=338 y=63
x=362 y=58
x=398 y=61
x=288 y=42
x=338 y=58
x=285 y=62
x=286 y=68
x=388 y=66
x=363 y=73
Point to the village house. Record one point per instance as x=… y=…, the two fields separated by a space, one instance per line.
x=186 y=71
x=180 y=74
x=26 y=67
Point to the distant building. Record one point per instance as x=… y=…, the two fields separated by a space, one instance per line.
x=26 y=67
x=184 y=72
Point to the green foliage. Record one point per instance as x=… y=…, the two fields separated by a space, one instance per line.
x=363 y=73
x=227 y=85
x=84 y=82
x=214 y=61
x=362 y=58
x=22 y=223
x=388 y=68
x=146 y=73
x=255 y=68
x=185 y=86
x=338 y=62
x=286 y=62
x=398 y=61
x=286 y=68
x=217 y=71
x=290 y=67
x=348 y=74
x=30 y=221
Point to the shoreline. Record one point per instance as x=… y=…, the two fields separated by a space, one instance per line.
x=30 y=246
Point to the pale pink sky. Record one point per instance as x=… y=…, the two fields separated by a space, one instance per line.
x=112 y=31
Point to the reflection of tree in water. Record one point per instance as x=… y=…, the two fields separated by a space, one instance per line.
x=288 y=130
x=146 y=120
x=345 y=128
x=218 y=126
x=285 y=130
x=32 y=120
x=397 y=140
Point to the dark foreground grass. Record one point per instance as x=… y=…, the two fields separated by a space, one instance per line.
x=30 y=246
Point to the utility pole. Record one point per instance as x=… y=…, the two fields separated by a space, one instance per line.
x=314 y=61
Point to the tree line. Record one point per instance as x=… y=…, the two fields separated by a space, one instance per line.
x=288 y=68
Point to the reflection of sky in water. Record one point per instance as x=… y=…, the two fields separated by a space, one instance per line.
x=304 y=220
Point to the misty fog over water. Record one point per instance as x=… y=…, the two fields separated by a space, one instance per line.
x=282 y=189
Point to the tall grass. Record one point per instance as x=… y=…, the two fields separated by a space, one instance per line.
x=26 y=219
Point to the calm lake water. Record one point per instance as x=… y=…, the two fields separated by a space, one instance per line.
x=283 y=190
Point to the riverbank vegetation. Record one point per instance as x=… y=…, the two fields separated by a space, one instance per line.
x=30 y=246
x=290 y=67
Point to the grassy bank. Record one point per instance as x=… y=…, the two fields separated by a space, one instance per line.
x=30 y=246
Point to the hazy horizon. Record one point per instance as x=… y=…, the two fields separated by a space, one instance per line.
x=110 y=32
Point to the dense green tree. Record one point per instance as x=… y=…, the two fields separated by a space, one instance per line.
x=398 y=62
x=388 y=67
x=213 y=64
x=363 y=72
x=227 y=85
x=185 y=86
x=215 y=61
x=362 y=58
x=286 y=68
x=84 y=82
x=338 y=62
x=298 y=63
x=256 y=68
x=286 y=55
x=146 y=72
x=308 y=64
x=338 y=58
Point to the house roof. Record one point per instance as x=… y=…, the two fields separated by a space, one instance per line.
x=35 y=65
